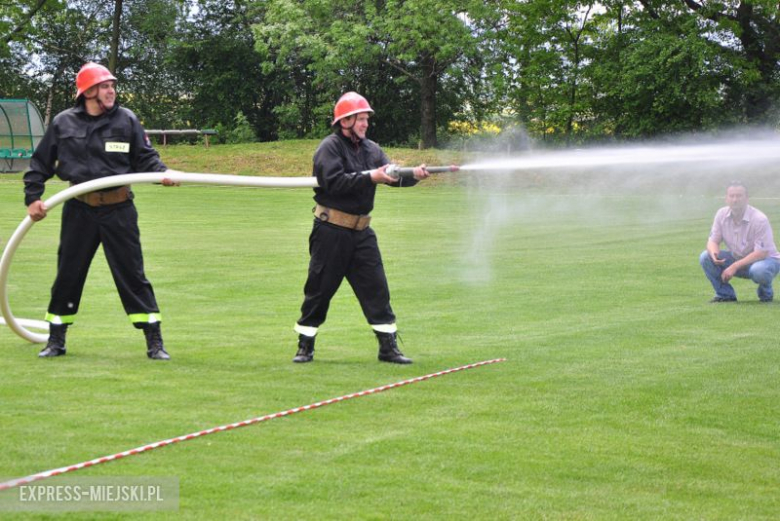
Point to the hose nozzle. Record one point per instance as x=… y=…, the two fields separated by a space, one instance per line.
x=397 y=171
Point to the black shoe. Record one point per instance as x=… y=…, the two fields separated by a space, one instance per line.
x=388 y=349
x=158 y=354
x=766 y=299
x=51 y=351
x=56 y=344
x=305 y=349
x=154 y=342
x=717 y=299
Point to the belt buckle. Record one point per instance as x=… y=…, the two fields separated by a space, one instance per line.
x=101 y=200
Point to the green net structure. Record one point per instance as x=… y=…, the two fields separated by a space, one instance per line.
x=21 y=128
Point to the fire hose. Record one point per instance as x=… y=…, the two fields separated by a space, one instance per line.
x=17 y=325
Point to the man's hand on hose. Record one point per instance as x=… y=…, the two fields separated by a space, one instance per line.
x=36 y=210
x=421 y=173
x=171 y=182
x=380 y=175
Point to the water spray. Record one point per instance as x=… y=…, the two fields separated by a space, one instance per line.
x=721 y=155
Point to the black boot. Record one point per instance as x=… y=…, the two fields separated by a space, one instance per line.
x=56 y=344
x=154 y=342
x=305 y=349
x=388 y=349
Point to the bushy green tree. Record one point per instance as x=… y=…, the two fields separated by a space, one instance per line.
x=658 y=83
x=214 y=58
x=582 y=71
x=42 y=59
x=153 y=89
x=747 y=33
x=544 y=79
x=398 y=53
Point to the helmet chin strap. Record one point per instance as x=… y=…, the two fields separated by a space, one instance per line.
x=96 y=98
x=355 y=139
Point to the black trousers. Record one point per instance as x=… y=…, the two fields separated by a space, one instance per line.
x=83 y=229
x=337 y=253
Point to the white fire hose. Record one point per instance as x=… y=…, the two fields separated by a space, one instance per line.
x=17 y=325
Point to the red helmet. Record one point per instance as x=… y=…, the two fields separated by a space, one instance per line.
x=91 y=74
x=349 y=104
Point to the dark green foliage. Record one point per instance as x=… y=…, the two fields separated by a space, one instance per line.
x=568 y=72
x=215 y=62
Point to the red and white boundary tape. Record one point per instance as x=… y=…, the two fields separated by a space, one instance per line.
x=105 y=459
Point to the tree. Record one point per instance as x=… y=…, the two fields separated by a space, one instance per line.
x=15 y=19
x=744 y=30
x=148 y=84
x=115 y=34
x=616 y=69
x=651 y=79
x=333 y=46
x=61 y=38
x=550 y=40
x=216 y=60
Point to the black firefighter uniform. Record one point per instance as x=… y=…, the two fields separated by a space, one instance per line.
x=77 y=148
x=341 y=244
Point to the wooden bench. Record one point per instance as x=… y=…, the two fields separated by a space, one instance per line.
x=206 y=132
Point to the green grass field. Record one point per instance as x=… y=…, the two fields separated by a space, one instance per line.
x=625 y=395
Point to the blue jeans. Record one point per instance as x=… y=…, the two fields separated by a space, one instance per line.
x=761 y=272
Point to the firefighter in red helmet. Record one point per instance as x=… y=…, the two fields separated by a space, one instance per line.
x=94 y=139
x=350 y=104
x=91 y=74
x=348 y=166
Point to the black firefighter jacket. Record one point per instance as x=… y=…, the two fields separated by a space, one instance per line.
x=78 y=147
x=338 y=164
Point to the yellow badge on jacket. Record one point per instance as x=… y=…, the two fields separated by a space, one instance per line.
x=117 y=147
